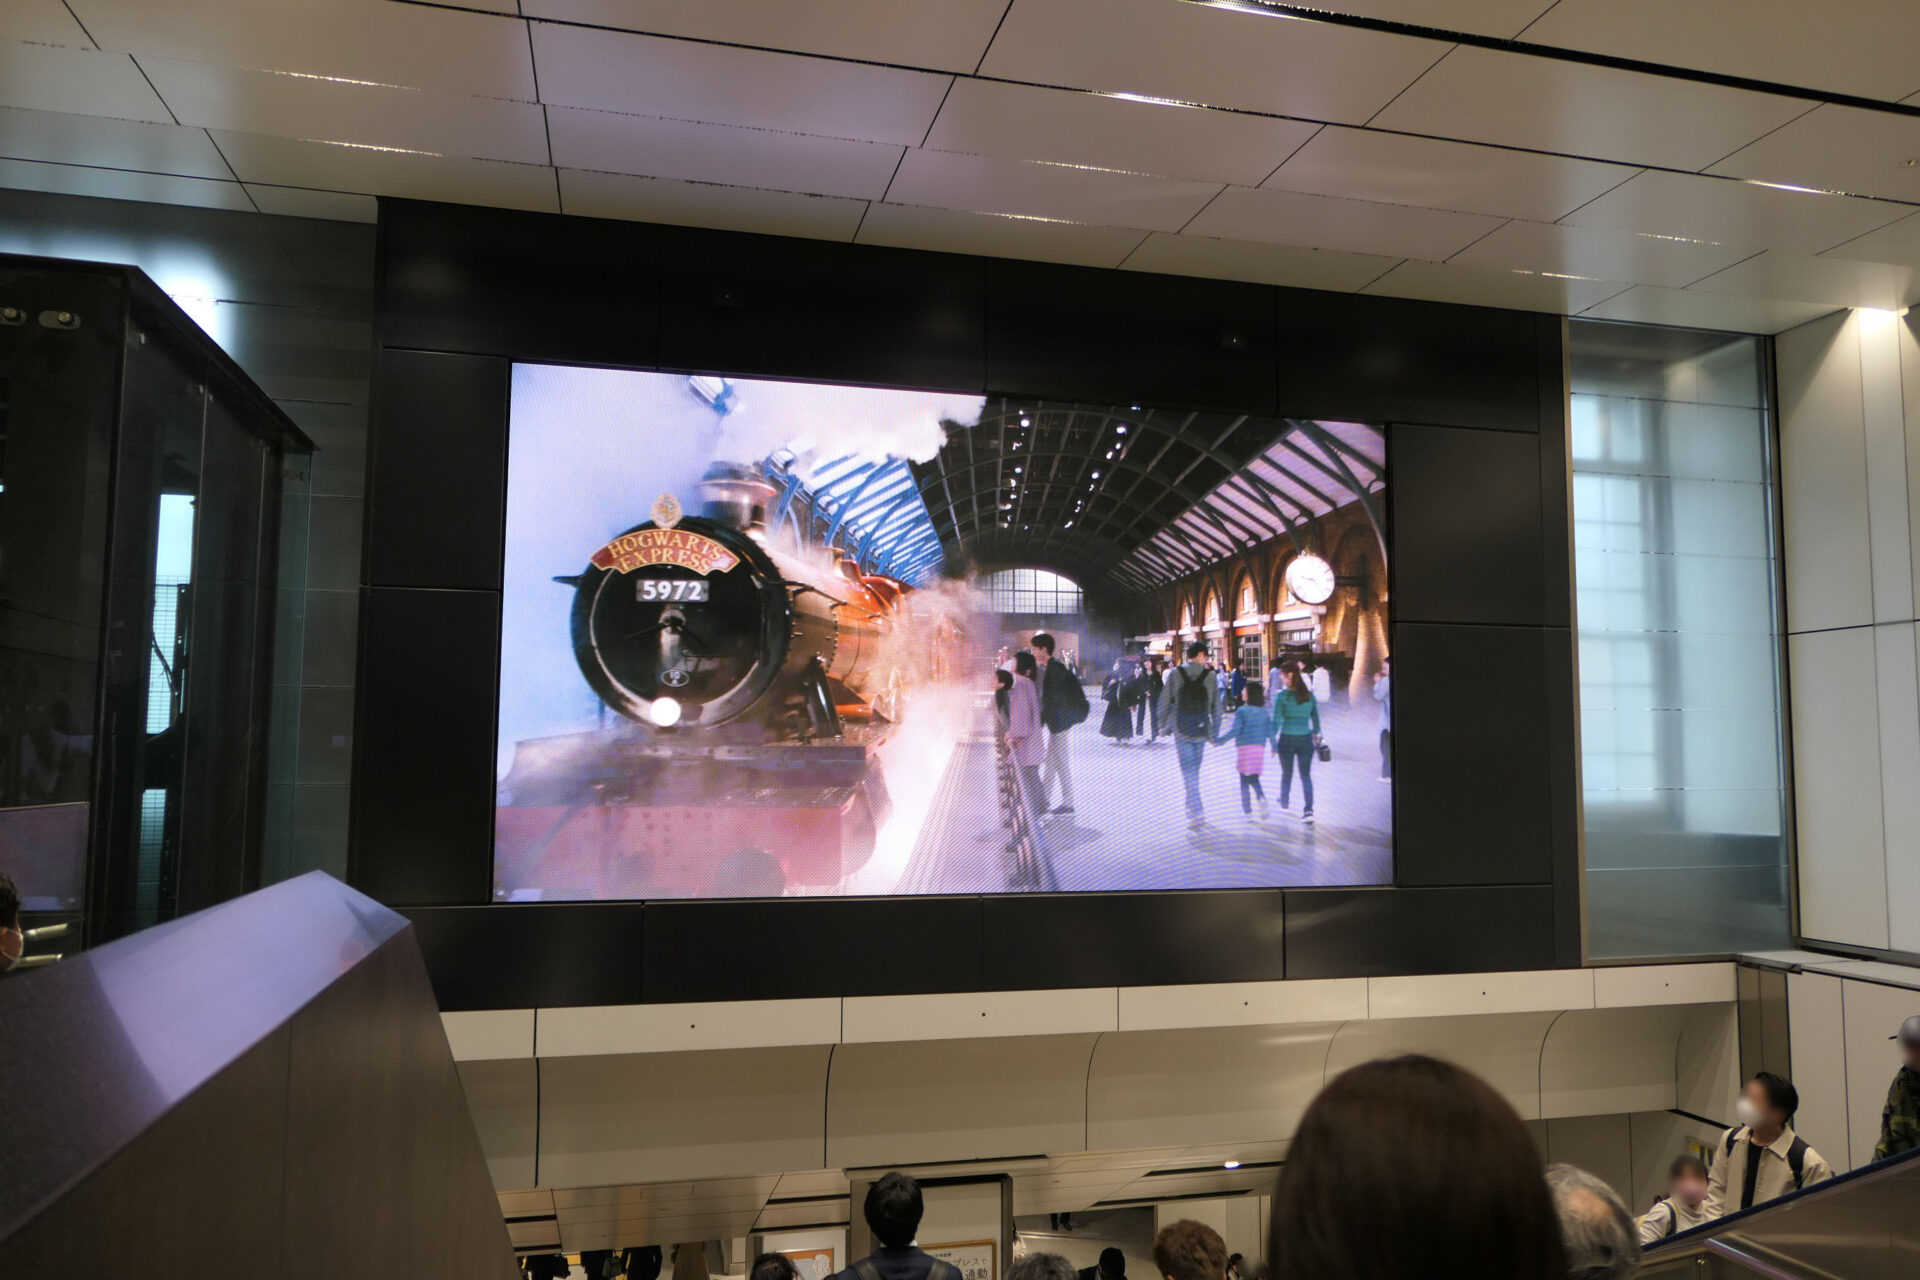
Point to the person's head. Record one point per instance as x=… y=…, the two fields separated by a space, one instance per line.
x=1024 y=665
x=1768 y=1102
x=773 y=1266
x=1386 y=666
x=1255 y=694
x=894 y=1207
x=1113 y=1264
x=1002 y=678
x=1196 y=651
x=1595 y=1228
x=1373 y=1183
x=1043 y=645
x=1687 y=1175
x=1189 y=1250
x=12 y=941
x=1234 y=1260
x=1909 y=1037
x=1297 y=685
x=1042 y=1266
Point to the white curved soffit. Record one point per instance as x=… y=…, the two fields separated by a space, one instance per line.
x=1233 y=1084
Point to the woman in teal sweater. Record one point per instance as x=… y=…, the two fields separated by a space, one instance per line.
x=1296 y=717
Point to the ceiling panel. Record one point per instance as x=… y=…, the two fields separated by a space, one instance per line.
x=1732 y=212
x=801 y=1213
x=1037 y=189
x=1518 y=100
x=990 y=117
x=705 y=204
x=120 y=184
x=1835 y=281
x=1323 y=222
x=1851 y=149
x=1600 y=254
x=423 y=46
x=44 y=77
x=1433 y=174
x=1282 y=264
x=997 y=235
x=1224 y=57
x=615 y=142
x=1845 y=46
x=109 y=144
x=949 y=36
x=685 y=80
x=41 y=22
x=1494 y=287
x=811 y=1182
x=299 y=202
x=332 y=111
x=1895 y=242
x=291 y=162
x=1694 y=309
x=1504 y=18
x=526 y=1204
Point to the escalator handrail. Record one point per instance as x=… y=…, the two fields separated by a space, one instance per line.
x=1694 y=1237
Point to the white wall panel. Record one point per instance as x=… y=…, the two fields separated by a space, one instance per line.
x=1659 y=1136
x=1837 y=798
x=1449 y=994
x=504 y=1096
x=1707 y=1062
x=1883 y=418
x=1817 y=1035
x=650 y=1117
x=1650 y=984
x=489 y=1033
x=1898 y=687
x=1504 y=1049
x=961 y=1212
x=1601 y=1061
x=977 y=1014
x=1158 y=1088
x=1873 y=1013
x=922 y=1101
x=1237 y=1004
x=666 y=1028
x=1823 y=476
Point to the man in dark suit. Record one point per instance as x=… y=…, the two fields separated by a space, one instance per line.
x=1113 y=1266
x=893 y=1210
x=1063 y=704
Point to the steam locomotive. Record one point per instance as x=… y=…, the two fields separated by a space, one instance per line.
x=752 y=688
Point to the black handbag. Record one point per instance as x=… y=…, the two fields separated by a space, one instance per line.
x=1322 y=750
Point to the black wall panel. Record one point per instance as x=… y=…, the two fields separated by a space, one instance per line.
x=1106 y=337
x=1349 y=933
x=1344 y=355
x=802 y=947
x=1487 y=814
x=421 y=829
x=535 y=286
x=1133 y=939
x=1473 y=796
x=532 y=955
x=1468 y=542
x=772 y=307
x=437 y=470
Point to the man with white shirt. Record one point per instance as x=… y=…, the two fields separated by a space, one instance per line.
x=1761 y=1158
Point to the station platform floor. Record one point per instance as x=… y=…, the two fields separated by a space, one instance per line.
x=1129 y=830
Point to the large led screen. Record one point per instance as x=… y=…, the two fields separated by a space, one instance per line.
x=768 y=638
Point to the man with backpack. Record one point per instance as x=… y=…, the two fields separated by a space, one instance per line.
x=1683 y=1206
x=893 y=1211
x=1761 y=1158
x=1187 y=704
x=1063 y=704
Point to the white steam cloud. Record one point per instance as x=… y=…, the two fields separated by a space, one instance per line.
x=819 y=423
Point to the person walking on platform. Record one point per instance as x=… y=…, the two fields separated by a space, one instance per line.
x=1296 y=714
x=1117 y=723
x=1383 y=694
x=1147 y=713
x=1024 y=738
x=1188 y=705
x=1900 y=1120
x=1063 y=704
x=1251 y=732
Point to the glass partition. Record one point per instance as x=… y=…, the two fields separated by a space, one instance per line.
x=1675 y=547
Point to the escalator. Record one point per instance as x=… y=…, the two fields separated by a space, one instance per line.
x=1863 y=1225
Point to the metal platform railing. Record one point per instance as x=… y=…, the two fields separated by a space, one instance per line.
x=1026 y=834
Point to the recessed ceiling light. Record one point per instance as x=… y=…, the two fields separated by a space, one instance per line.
x=1231 y=1164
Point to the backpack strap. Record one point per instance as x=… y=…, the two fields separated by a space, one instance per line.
x=1733 y=1135
x=1797 y=1160
x=866 y=1270
x=943 y=1270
